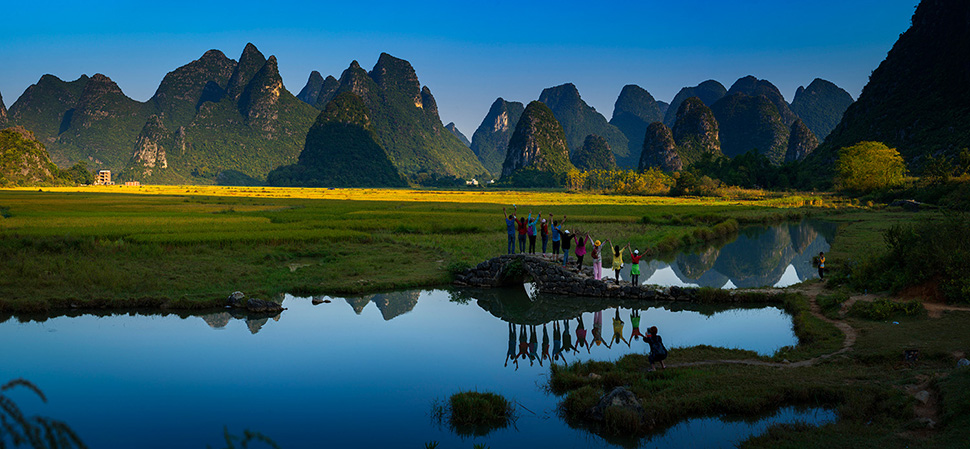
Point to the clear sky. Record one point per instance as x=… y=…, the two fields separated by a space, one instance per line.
x=468 y=53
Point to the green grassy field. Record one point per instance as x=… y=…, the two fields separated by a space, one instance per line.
x=185 y=247
x=188 y=247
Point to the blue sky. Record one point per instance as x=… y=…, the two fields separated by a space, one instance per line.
x=467 y=53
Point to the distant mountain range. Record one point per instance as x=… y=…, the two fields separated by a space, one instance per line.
x=216 y=119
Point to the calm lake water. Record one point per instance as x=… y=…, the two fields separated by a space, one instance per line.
x=364 y=371
x=356 y=372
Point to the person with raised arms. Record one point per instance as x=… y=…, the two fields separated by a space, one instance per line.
x=510 y=223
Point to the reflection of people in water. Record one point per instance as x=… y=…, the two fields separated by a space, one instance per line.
x=533 y=345
x=545 y=343
x=523 y=343
x=556 y=341
x=618 y=329
x=567 y=338
x=635 y=322
x=598 y=330
x=581 y=335
x=512 y=354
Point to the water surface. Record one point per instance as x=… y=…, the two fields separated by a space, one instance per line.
x=356 y=372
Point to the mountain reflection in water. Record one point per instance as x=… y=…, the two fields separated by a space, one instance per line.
x=776 y=256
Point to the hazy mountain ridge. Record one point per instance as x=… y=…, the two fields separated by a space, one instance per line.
x=491 y=139
x=538 y=143
x=579 y=120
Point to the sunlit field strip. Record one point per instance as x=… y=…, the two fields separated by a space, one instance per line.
x=503 y=197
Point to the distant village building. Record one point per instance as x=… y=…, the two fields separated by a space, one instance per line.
x=104 y=178
x=472 y=182
x=132 y=183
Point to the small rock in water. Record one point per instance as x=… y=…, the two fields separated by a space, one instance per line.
x=316 y=301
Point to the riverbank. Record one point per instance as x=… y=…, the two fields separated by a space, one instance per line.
x=188 y=247
x=851 y=364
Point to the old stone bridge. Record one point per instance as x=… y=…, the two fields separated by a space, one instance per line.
x=550 y=277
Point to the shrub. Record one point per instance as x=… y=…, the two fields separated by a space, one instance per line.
x=868 y=166
x=475 y=413
x=884 y=309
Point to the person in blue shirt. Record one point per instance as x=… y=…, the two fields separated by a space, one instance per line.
x=510 y=227
x=531 y=224
x=556 y=231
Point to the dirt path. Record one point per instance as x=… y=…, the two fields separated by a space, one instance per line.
x=812 y=290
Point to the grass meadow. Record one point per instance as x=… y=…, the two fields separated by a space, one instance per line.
x=190 y=246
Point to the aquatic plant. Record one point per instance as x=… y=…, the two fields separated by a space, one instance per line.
x=36 y=432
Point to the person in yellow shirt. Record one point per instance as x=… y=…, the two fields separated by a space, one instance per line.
x=618 y=259
x=618 y=329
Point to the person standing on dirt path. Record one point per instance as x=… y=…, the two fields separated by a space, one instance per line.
x=510 y=224
x=658 y=352
x=821 y=265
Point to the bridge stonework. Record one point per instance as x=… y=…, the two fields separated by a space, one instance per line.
x=550 y=277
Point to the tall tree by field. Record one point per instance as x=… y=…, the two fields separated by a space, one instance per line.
x=868 y=166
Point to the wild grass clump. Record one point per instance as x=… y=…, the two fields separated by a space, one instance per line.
x=882 y=309
x=36 y=432
x=815 y=336
x=479 y=413
x=831 y=305
x=932 y=252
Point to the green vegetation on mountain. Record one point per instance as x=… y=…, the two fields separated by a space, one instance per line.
x=180 y=93
x=751 y=123
x=708 y=92
x=820 y=106
x=634 y=110
x=318 y=91
x=579 y=120
x=207 y=116
x=24 y=162
x=659 y=149
x=3 y=112
x=537 y=148
x=801 y=142
x=405 y=121
x=595 y=154
x=696 y=131
x=102 y=126
x=491 y=139
x=45 y=109
x=461 y=137
x=754 y=87
x=340 y=151
x=868 y=166
x=916 y=100
x=247 y=125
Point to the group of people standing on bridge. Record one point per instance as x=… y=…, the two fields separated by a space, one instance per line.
x=528 y=344
x=529 y=228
